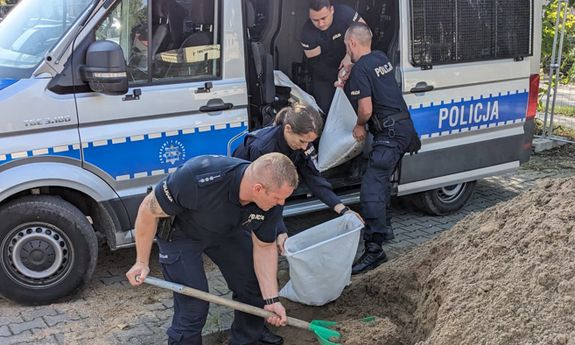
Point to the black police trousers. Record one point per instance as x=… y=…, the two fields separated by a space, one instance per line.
x=375 y=195
x=182 y=263
x=323 y=92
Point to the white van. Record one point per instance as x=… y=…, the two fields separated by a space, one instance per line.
x=100 y=99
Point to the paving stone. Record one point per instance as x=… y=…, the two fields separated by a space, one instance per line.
x=6 y=320
x=155 y=306
x=37 y=312
x=133 y=332
x=4 y=331
x=15 y=339
x=18 y=328
x=52 y=320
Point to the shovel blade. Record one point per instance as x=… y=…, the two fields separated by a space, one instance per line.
x=325 y=335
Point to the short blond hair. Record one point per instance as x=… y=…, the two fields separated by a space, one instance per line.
x=360 y=32
x=274 y=170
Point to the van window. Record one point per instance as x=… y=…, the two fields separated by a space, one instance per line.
x=191 y=48
x=453 y=31
x=31 y=30
x=183 y=44
x=127 y=25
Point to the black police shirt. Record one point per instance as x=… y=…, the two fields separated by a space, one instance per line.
x=331 y=41
x=204 y=194
x=271 y=139
x=374 y=76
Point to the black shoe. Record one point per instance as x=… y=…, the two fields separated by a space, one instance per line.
x=372 y=257
x=268 y=337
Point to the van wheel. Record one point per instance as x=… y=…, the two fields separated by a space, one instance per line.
x=444 y=200
x=48 y=249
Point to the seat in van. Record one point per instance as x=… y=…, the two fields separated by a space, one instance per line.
x=264 y=68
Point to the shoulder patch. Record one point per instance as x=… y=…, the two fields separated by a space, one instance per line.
x=304 y=45
x=310 y=151
x=166 y=191
x=355 y=92
x=356 y=17
x=209 y=178
x=336 y=36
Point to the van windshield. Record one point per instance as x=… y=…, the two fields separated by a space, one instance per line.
x=31 y=30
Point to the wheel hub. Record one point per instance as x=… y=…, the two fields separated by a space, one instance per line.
x=37 y=254
x=450 y=193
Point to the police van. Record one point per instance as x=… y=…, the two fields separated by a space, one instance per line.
x=101 y=99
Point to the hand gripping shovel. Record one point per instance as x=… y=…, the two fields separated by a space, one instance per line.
x=325 y=335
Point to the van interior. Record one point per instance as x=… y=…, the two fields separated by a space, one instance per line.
x=273 y=29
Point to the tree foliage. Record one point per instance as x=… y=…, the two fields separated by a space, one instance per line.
x=567 y=68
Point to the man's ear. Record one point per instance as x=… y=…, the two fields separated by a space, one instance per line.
x=257 y=187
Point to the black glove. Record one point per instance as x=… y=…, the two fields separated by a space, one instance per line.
x=414 y=144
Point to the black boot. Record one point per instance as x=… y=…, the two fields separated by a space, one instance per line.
x=372 y=257
x=268 y=337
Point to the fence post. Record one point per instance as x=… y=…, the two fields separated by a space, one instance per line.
x=553 y=67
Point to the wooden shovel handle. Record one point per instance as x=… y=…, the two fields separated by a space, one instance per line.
x=205 y=296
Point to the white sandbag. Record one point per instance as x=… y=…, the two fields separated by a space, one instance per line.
x=337 y=145
x=320 y=260
x=280 y=79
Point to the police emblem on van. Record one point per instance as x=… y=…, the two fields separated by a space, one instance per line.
x=172 y=151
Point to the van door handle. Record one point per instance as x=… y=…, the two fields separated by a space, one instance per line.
x=421 y=87
x=216 y=104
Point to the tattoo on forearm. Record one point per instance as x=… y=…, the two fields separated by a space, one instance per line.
x=154 y=206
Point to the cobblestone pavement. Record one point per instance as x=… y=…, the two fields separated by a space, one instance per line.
x=79 y=321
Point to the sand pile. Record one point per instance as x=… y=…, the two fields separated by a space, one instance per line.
x=503 y=276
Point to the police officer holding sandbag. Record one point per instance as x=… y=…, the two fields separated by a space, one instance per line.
x=322 y=42
x=296 y=128
x=379 y=104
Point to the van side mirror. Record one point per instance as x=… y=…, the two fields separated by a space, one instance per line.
x=105 y=69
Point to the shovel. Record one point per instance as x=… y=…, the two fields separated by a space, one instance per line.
x=325 y=335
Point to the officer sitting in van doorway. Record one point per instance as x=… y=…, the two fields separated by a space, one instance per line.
x=379 y=104
x=228 y=209
x=296 y=128
x=322 y=41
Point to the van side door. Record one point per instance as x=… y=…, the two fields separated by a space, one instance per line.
x=465 y=76
x=187 y=92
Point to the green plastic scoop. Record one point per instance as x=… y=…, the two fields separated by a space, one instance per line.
x=320 y=328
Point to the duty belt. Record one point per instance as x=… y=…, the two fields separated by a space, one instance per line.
x=382 y=123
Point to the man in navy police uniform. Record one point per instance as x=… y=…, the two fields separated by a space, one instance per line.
x=375 y=95
x=228 y=209
x=322 y=41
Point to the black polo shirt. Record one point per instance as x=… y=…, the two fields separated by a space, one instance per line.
x=204 y=194
x=374 y=76
x=271 y=139
x=331 y=40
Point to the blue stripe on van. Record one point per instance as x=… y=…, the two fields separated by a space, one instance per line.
x=67 y=151
x=4 y=83
x=157 y=154
x=462 y=115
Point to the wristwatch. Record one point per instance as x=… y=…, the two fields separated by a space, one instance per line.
x=344 y=210
x=272 y=300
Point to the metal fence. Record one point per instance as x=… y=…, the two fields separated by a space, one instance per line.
x=557 y=111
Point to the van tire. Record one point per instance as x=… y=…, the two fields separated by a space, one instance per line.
x=445 y=200
x=48 y=249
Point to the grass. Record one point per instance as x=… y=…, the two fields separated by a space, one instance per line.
x=561 y=131
x=565 y=110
